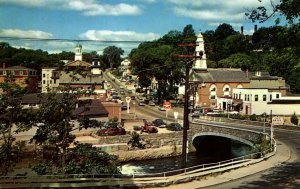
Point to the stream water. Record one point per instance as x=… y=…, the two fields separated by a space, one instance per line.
x=173 y=163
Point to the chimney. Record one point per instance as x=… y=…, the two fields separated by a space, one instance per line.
x=242 y=30
x=255 y=28
x=247 y=73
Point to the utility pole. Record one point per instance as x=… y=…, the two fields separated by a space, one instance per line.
x=186 y=100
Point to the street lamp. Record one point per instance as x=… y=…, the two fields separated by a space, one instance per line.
x=134 y=116
x=264 y=130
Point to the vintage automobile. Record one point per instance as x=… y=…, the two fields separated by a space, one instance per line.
x=148 y=127
x=159 y=123
x=112 y=131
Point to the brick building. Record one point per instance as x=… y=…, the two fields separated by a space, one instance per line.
x=24 y=77
x=210 y=84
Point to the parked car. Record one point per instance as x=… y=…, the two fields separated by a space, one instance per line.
x=161 y=108
x=132 y=97
x=121 y=87
x=146 y=101
x=141 y=103
x=112 y=131
x=196 y=114
x=148 y=127
x=159 y=123
x=124 y=107
x=151 y=103
x=122 y=92
x=129 y=91
x=174 y=127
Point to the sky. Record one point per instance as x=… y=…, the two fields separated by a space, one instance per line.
x=115 y=20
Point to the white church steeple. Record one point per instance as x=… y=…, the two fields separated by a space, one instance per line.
x=200 y=61
x=78 y=52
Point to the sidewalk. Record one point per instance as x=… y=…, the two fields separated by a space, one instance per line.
x=282 y=155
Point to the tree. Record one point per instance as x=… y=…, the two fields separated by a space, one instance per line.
x=239 y=60
x=294 y=119
x=113 y=56
x=288 y=8
x=85 y=159
x=54 y=134
x=13 y=118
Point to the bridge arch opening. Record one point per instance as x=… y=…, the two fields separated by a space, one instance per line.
x=221 y=146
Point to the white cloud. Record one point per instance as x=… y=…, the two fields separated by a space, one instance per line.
x=107 y=35
x=216 y=11
x=25 y=33
x=86 y=7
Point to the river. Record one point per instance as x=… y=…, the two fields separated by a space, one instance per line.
x=173 y=163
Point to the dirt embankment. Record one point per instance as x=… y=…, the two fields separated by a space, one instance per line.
x=151 y=153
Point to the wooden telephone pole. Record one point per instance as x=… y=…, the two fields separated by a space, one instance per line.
x=190 y=61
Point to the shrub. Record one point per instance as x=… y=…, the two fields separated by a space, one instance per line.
x=136 y=128
x=253 y=117
x=294 y=119
x=135 y=141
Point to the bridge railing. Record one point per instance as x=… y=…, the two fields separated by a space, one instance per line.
x=207 y=168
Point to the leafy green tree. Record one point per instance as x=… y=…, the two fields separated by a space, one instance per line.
x=13 y=119
x=54 y=134
x=239 y=60
x=112 y=55
x=84 y=159
x=287 y=8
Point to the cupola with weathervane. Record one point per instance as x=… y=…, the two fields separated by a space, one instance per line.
x=96 y=66
x=78 y=52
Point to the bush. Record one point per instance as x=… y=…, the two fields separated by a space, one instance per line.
x=253 y=117
x=135 y=141
x=136 y=128
x=294 y=119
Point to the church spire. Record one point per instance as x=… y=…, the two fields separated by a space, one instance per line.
x=200 y=61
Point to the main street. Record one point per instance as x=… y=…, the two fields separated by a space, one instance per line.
x=286 y=175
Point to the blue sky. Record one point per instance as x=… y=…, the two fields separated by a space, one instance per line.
x=115 y=20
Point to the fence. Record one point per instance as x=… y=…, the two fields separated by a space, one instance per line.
x=203 y=169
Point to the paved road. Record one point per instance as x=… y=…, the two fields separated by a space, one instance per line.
x=284 y=176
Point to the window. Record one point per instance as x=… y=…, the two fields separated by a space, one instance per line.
x=226 y=89
x=277 y=95
x=256 y=97
x=21 y=72
x=213 y=97
x=248 y=97
x=245 y=97
x=50 y=81
x=264 y=97
x=213 y=89
x=240 y=96
x=4 y=72
x=44 y=75
x=270 y=97
x=54 y=81
x=44 y=82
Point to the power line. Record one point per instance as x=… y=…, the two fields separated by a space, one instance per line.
x=71 y=40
